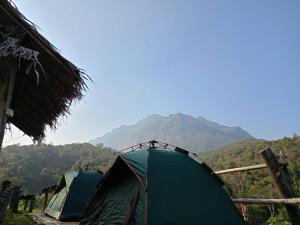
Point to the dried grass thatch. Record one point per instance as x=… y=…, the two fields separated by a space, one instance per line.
x=37 y=100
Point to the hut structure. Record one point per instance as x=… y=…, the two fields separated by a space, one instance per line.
x=37 y=84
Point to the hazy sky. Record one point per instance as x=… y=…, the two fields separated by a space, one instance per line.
x=234 y=62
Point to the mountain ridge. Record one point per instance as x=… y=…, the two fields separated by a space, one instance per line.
x=193 y=133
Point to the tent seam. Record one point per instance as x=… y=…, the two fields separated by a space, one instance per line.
x=137 y=176
x=135 y=197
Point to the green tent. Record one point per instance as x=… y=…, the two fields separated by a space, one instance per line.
x=159 y=187
x=72 y=195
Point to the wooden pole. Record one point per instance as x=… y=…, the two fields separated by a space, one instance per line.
x=289 y=201
x=4 y=201
x=45 y=202
x=14 y=203
x=31 y=204
x=283 y=183
x=8 y=70
x=246 y=168
x=5 y=184
x=25 y=205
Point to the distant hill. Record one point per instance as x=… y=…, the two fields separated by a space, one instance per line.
x=195 y=134
x=36 y=166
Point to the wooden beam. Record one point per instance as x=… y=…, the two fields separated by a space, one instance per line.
x=8 y=72
x=283 y=183
x=289 y=201
x=245 y=168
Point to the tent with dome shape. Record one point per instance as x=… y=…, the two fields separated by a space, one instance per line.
x=73 y=193
x=159 y=186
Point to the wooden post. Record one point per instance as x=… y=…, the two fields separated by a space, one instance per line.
x=25 y=204
x=283 y=183
x=5 y=184
x=8 y=70
x=45 y=202
x=46 y=191
x=4 y=200
x=31 y=204
x=14 y=204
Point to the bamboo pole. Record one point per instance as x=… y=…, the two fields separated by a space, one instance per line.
x=289 y=201
x=283 y=183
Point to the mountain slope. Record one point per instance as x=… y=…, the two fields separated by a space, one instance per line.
x=195 y=134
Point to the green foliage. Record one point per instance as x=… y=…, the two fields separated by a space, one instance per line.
x=280 y=219
x=17 y=219
x=36 y=166
x=258 y=183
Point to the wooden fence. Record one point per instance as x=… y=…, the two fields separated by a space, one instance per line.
x=11 y=196
x=283 y=182
x=4 y=201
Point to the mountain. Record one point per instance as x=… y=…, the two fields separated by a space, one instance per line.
x=195 y=134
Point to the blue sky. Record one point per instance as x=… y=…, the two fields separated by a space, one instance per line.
x=234 y=62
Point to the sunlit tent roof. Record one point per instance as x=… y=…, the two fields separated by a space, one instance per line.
x=73 y=193
x=46 y=83
x=159 y=187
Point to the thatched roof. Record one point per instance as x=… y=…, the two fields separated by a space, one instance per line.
x=44 y=92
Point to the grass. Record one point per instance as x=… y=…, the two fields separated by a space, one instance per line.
x=17 y=219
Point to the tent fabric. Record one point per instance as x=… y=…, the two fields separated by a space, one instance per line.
x=117 y=202
x=69 y=177
x=74 y=191
x=191 y=193
x=179 y=191
x=57 y=200
x=139 y=161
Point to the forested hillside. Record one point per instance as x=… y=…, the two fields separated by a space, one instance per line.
x=258 y=183
x=34 y=166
